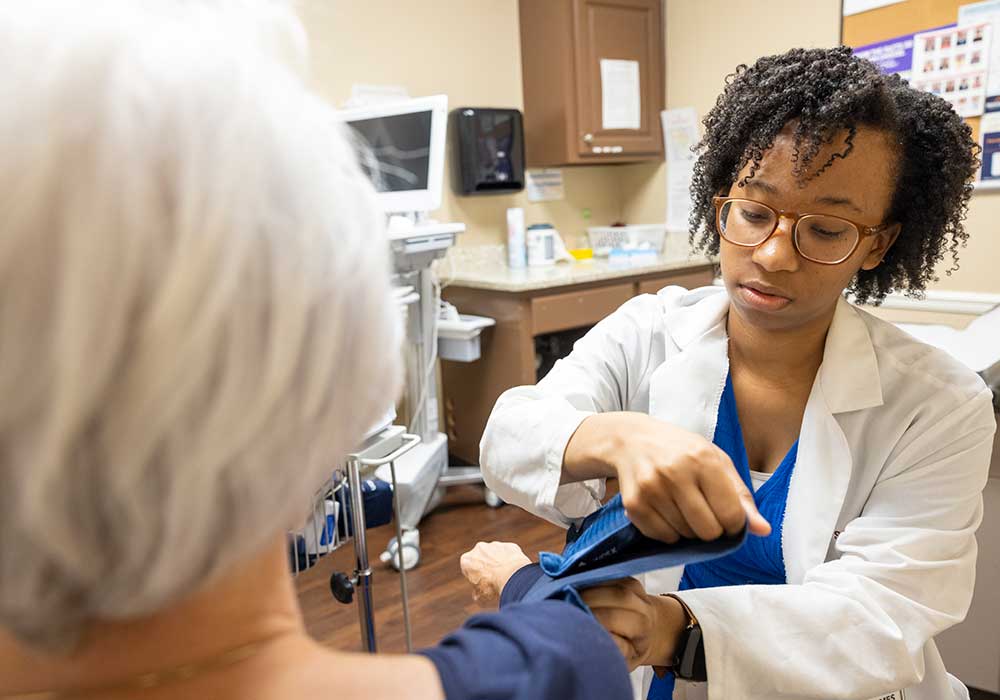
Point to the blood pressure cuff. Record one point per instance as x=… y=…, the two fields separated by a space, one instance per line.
x=606 y=546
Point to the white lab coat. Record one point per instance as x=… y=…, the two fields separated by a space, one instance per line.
x=883 y=505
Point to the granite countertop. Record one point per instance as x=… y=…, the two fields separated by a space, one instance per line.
x=485 y=267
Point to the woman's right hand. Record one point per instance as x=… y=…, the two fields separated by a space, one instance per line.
x=673 y=483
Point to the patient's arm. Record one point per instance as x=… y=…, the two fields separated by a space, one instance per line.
x=528 y=651
x=531 y=651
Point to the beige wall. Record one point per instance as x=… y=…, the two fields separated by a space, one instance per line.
x=469 y=50
x=706 y=40
x=979 y=271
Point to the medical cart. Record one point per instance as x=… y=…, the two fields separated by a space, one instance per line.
x=338 y=516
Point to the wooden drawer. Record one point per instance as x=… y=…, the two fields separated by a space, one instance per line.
x=688 y=279
x=560 y=312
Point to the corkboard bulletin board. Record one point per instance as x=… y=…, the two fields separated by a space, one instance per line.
x=907 y=17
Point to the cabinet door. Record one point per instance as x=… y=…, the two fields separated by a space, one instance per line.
x=629 y=33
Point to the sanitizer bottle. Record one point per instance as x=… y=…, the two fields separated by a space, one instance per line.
x=516 y=251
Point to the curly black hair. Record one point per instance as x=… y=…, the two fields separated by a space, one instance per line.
x=824 y=92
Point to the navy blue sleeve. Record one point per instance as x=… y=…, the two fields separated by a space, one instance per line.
x=531 y=651
x=519 y=584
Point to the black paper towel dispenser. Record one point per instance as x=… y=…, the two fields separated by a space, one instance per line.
x=488 y=150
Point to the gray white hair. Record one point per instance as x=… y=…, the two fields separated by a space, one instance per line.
x=195 y=317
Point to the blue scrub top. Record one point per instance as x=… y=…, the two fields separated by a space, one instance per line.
x=760 y=560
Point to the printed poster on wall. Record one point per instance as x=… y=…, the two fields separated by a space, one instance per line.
x=976 y=13
x=891 y=56
x=894 y=55
x=953 y=63
x=989 y=139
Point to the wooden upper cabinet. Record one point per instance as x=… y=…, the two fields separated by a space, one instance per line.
x=564 y=44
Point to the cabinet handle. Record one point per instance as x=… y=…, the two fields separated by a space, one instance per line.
x=588 y=138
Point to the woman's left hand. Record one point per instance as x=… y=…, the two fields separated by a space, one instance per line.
x=644 y=627
x=488 y=567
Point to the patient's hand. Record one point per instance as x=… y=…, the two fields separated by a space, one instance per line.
x=489 y=566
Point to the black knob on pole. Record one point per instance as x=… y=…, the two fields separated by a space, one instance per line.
x=342 y=587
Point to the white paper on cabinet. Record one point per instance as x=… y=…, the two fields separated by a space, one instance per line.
x=621 y=101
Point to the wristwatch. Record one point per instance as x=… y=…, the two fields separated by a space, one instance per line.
x=689 y=655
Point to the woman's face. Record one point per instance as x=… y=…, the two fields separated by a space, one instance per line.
x=772 y=286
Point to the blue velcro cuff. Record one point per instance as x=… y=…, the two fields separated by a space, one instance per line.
x=601 y=537
x=607 y=547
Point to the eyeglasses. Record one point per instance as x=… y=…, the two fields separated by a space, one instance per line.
x=819 y=238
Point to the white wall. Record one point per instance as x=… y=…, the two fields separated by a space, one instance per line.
x=470 y=50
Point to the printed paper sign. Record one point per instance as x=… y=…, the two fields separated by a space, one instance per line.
x=544 y=185
x=680 y=134
x=621 y=101
x=977 y=13
x=953 y=63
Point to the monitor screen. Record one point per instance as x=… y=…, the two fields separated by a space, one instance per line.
x=395 y=150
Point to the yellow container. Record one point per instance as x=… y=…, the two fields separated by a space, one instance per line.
x=582 y=253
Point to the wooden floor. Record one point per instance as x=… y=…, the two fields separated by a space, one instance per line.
x=440 y=598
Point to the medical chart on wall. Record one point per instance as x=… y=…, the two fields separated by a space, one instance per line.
x=680 y=134
x=621 y=101
x=988 y=12
x=545 y=185
x=953 y=63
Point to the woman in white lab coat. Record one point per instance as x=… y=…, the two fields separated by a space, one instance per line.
x=816 y=175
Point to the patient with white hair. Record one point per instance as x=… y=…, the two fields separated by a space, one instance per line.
x=195 y=326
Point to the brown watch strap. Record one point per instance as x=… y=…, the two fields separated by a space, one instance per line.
x=689 y=657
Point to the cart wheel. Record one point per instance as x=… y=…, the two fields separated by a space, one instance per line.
x=492 y=500
x=411 y=551
x=342 y=587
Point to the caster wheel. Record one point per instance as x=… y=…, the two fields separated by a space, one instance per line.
x=492 y=500
x=411 y=551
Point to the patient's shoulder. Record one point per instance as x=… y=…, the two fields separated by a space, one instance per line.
x=304 y=670
x=374 y=677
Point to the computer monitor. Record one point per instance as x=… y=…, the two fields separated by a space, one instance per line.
x=401 y=146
